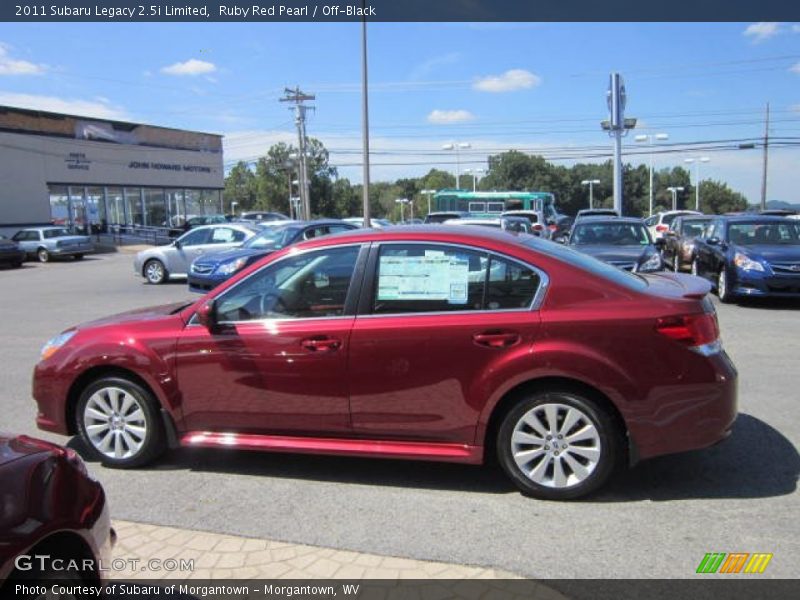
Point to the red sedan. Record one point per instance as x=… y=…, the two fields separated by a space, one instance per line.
x=54 y=522
x=430 y=343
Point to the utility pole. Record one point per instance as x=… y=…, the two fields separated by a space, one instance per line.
x=298 y=98
x=365 y=122
x=766 y=155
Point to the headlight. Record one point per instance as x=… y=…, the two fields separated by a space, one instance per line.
x=653 y=263
x=232 y=266
x=55 y=343
x=746 y=263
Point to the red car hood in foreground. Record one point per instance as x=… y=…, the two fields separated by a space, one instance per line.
x=139 y=314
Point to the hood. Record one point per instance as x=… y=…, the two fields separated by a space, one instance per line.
x=612 y=253
x=140 y=314
x=13 y=447
x=232 y=254
x=771 y=252
x=8 y=244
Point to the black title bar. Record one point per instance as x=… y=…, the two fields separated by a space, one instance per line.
x=398 y=10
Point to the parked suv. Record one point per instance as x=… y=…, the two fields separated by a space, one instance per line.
x=659 y=223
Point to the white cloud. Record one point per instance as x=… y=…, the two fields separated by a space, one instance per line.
x=795 y=68
x=98 y=108
x=446 y=117
x=510 y=81
x=762 y=31
x=12 y=66
x=190 y=67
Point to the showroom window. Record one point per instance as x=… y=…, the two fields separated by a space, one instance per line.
x=155 y=209
x=133 y=204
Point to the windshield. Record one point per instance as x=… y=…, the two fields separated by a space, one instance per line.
x=613 y=234
x=754 y=233
x=273 y=238
x=54 y=233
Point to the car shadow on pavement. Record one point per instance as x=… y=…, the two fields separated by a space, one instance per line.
x=770 y=303
x=756 y=461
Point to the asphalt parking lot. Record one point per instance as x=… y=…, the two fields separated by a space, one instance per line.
x=658 y=520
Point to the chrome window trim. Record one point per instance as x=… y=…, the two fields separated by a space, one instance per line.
x=359 y=245
x=536 y=303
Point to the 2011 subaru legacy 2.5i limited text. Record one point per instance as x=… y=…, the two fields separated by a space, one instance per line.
x=429 y=343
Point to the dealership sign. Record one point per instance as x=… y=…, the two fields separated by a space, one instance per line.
x=157 y=166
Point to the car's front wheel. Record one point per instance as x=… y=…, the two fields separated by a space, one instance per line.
x=558 y=445
x=118 y=420
x=155 y=272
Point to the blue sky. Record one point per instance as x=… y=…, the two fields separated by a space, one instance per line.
x=532 y=86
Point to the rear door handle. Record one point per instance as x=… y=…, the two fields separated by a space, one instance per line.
x=321 y=344
x=496 y=339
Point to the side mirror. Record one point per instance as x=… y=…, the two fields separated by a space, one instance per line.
x=207 y=316
x=177 y=243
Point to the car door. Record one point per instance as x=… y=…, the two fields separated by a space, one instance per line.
x=278 y=362
x=435 y=328
x=707 y=259
x=187 y=247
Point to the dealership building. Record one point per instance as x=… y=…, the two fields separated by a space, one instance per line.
x=96 y=175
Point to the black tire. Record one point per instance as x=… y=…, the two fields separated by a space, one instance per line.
x=38 y=578
x=723 y=289
x=43 y=255
x=153 y=442
x=155 y=272
x=17 y=265
x=607 y=441
x=79 y=257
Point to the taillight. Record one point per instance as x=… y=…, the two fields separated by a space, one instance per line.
x=552 y=227
x=661 y=228
x=538 y=227
x=699 y=332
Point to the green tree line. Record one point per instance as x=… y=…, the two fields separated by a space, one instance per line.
x=267 y=185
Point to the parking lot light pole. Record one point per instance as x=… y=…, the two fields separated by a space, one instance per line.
x=428 y=193
x=650 y=139
x=402 y=202
x=591 y=183
x=457 y=146
x=474 y=173
x=697 y=160
x=674 y=191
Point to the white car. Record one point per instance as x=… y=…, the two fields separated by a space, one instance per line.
x=160 y=263
x=659 y=223
x=514 y=224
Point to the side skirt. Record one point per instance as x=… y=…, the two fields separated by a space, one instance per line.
x=460 y=453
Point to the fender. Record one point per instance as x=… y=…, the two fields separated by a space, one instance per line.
x=564 y=359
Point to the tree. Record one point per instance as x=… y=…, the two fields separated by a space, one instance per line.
x=240 y=187
x=717 y=198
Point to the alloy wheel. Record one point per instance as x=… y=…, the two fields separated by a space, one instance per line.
x=556 y=445
x=115 y=423
x=154 y=272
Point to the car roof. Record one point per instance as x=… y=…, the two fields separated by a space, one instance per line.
x=755 y=217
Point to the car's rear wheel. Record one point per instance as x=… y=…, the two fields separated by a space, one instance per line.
x=43 y=255
x=558 y=445
x=119 y=422
x=723 y=288
x=155 y=272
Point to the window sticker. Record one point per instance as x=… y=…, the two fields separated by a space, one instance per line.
x=431 y=277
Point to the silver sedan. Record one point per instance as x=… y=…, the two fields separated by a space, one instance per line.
x=160 y=263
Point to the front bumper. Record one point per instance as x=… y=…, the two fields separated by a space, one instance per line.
x=756 y=284
x=205 y=283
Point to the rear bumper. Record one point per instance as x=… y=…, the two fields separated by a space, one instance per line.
x=689 y=416
x=12 y=256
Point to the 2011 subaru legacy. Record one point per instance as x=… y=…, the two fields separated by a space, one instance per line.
x=622 y=242
x=429 y=343
x=750 y=256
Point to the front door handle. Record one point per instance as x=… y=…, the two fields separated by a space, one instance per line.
x=321 y=344
x=496 y=339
